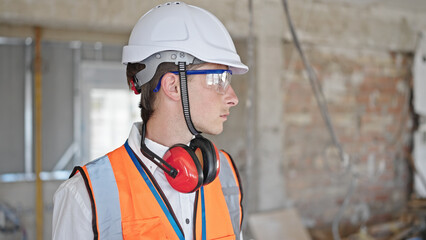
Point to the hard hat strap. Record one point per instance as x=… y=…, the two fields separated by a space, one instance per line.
x=185 y=98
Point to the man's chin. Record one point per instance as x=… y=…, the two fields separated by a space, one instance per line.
x=212 y=131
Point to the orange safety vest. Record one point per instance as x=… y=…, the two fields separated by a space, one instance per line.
x=128 y=204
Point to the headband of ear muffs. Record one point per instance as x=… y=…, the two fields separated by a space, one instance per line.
x=208 y=155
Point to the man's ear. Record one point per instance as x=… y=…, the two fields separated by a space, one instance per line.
x=170 y=86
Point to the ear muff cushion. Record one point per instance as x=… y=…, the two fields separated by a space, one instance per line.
x=210 y=156
x=190 y=173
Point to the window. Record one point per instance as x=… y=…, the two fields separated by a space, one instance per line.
x=111 y=114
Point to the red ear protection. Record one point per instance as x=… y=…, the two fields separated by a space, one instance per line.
x=135 y=89
x=189 y=171
x=187 y=168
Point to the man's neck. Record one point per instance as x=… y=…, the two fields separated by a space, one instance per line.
x=167 y=131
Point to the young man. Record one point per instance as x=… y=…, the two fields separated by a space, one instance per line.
x=166 y=181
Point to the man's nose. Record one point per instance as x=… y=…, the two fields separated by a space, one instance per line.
x=231 y=98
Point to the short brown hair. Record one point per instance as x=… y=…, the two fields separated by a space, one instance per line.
x=148 y=95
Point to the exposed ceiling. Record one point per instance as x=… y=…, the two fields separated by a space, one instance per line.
x=409 y=5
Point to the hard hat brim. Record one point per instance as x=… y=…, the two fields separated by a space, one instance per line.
x=135 y=54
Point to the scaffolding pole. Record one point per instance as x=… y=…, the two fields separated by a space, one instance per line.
x=38 y=132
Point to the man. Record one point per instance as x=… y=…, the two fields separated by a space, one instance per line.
x=166 y=181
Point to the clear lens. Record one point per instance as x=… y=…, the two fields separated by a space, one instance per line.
x=219 y=81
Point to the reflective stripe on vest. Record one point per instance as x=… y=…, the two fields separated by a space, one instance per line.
x=229 y=180
x=114 y=181
x=108 y=218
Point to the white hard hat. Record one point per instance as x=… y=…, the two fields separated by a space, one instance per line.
x=185 y=29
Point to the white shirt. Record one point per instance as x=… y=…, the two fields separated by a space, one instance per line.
x=72 y=212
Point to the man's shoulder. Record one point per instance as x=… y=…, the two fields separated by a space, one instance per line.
x=71 y=185
x=71 y=191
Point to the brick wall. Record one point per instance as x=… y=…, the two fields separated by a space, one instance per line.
x=367 y=93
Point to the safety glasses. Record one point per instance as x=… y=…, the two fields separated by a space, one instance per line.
x=217 y=79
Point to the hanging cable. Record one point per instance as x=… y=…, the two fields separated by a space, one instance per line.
x=322 y=104
x=319 y=96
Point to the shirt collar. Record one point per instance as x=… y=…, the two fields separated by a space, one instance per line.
x=134 y=143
